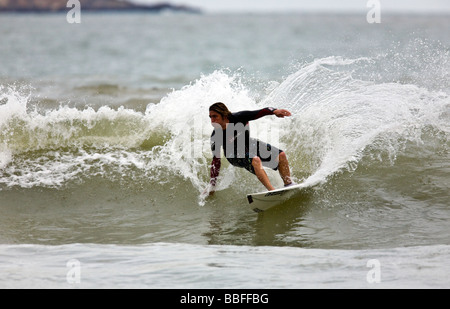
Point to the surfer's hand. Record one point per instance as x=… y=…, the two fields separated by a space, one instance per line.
x=281 y=113
x=209 y=191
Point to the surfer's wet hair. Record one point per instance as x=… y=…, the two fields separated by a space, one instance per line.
x=221 y=109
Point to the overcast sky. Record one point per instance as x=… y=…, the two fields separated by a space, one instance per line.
x=403 y=6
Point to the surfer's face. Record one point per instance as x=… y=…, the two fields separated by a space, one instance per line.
x=217 y=118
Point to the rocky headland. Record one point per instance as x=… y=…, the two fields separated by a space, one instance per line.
x=42 y=6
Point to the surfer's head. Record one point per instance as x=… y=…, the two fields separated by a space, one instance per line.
x=219 y=113
x=221 y=109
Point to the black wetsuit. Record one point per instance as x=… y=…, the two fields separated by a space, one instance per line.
x=239 y=148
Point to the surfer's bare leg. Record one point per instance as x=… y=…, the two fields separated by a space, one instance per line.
x=261 y=173
x=283 y=168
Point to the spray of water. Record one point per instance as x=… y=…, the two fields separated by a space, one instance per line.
x=337 y=119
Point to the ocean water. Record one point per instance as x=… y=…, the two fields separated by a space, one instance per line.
x=104 y=151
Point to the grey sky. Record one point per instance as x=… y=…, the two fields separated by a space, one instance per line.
x=403 y=6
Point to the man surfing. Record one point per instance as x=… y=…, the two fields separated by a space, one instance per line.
x=231 y=131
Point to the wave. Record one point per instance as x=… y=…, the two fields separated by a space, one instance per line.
x=338 y=119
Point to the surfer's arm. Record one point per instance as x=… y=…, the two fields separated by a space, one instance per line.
x=245 y=116
x=215 y=164
x=215 y=170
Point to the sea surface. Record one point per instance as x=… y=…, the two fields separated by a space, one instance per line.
x=104 y=151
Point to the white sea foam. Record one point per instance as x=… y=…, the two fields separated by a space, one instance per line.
x=336 y=118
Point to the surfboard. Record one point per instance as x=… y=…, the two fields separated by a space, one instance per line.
x=263 y=201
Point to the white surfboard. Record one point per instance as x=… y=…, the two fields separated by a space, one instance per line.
x=263 y=201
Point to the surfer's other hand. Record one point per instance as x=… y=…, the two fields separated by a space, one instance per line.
x=281 y=113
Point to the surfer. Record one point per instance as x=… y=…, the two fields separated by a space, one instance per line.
x=231 y=131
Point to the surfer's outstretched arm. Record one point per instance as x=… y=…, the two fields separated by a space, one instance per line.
x=246 y=116
x=215 y=170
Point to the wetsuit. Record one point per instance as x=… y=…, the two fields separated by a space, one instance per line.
x=239 y=148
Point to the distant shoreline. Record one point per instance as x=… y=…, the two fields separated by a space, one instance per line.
x=29 y=6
